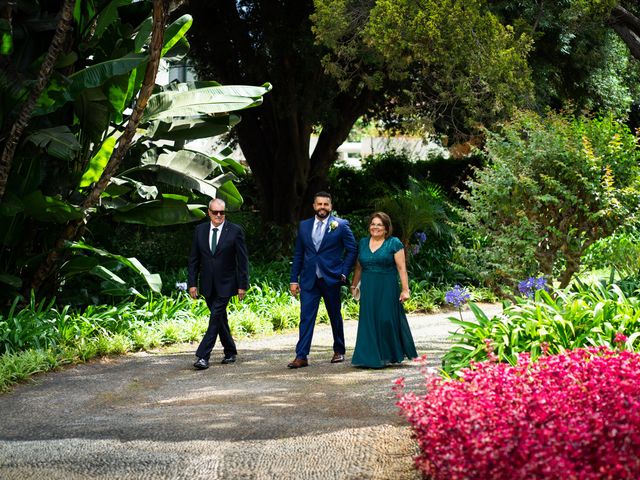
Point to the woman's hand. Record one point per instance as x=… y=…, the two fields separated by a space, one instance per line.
x=404 y=295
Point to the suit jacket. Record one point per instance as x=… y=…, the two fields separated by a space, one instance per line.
x=225 y=271
x=336 y=255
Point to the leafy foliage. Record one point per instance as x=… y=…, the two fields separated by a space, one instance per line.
x=591 y=315
x=425 y=47
x=76 y=128
x=577 y=61
x=554 y=186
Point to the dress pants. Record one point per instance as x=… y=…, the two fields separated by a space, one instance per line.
x=218 y=325
x=310 y=302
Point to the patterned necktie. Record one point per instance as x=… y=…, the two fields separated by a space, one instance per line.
x=317 y=235
x=214 y=240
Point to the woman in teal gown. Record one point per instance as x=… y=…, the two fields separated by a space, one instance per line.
x=383 y=336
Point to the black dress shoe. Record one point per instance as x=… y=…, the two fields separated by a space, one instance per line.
x=228 y=359
x=201 y=364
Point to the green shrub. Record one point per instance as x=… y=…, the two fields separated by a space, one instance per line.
x=554 y=185
x=590 y=315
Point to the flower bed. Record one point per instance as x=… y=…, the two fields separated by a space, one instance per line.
x=569 y=416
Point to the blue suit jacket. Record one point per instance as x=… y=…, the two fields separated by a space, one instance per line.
x=335 y=257
x=224 y=272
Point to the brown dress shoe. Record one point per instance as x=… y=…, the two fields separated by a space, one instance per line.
x=337 y=358
x=299 y=363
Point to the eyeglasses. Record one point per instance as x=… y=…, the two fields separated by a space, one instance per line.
x=217 y=212
x=378 y=225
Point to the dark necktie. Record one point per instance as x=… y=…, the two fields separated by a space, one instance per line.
x=214 y=240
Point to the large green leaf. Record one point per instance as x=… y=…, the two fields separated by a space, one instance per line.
x=49 y=209
x=11 y=280
x=78 y=264
x=108 y=16
x=146 y=192
x=230 y=194
x=232 y=165
x=157 y=213
x=153 y=280
x=180 y=129
x=143 y=35
x=98 y=74
x=175 y=32
x=94 y=111
x=204 y=101
x=189 y=170
x=6 y=39
x=98 y=162
x=58 y=142
x=178 y=51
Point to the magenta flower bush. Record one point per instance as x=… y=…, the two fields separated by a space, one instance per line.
x=574 y=415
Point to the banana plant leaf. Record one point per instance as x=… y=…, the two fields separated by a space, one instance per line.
x=145 y=192
x=158 y=213
x=188 y=170
x=6 y=39
x=10 y=280
x=204 y=101
x=108 y=16
x=230 y=194
x=153 y=280
x=98 y=74
x=144 y=35
x=178 y=51
x=77 y=265
x=49 y=209
x=176 y=31
x=98 y=162
x=181 y=129
x=94 y=111
x=59 y=142
x=232 y=165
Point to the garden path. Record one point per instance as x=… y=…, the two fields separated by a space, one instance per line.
x=151 y=416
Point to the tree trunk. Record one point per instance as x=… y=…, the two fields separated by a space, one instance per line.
x=277 y=150
x=627 y=26
x=46 y=69
x=72 y=229
x=572 y=267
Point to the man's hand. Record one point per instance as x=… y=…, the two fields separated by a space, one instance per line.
x=193 y=291
x=295 y=289
x=241 y=293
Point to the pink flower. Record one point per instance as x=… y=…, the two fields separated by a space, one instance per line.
x=573 y=415
x=620 y=338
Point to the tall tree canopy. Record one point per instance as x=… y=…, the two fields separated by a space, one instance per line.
x=585 y=52
x=348 y=59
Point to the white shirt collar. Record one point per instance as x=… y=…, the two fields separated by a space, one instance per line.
x=219 y=227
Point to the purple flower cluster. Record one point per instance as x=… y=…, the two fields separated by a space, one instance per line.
x=531 y=285
x=420 y=237
x=181 y=286
x=572 y=415
x=457 y=296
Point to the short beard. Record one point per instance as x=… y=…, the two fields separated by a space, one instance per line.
x=321 y=215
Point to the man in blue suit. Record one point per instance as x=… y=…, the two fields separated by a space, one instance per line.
x=219 y=257
x=324 y=255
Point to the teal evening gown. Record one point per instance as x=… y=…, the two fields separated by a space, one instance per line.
x=384 y=336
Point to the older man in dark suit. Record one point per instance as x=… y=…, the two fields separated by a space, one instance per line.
x=219 y=257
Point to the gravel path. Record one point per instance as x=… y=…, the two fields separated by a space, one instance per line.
x=151 y=416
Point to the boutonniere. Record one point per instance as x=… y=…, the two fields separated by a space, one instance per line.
x=333 y=225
